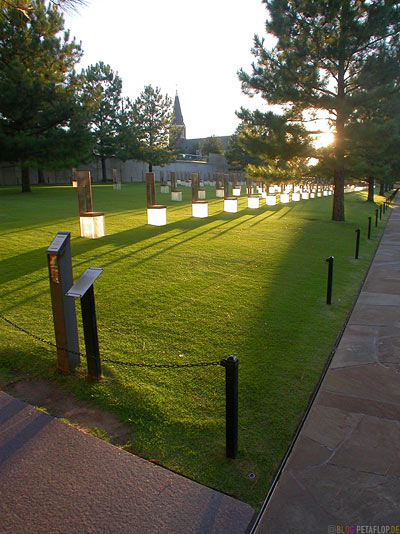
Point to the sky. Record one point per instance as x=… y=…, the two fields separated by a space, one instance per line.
x=195 y=48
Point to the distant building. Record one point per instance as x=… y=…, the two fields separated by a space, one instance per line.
x=191 y=146
x=178 y=119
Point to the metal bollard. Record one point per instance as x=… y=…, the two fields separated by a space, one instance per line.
x=357 y=243
x=231 y=365
x=330 y=277
x=369 y=227
x=380 y=211
x=376 y=217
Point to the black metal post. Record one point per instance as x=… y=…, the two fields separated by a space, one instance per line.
x=357 y=243
x=369 y=227
x=376 y=217
x=330 y=277
x=231 y=365
x=90 y=333
x=380 y=211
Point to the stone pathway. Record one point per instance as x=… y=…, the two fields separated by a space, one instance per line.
x=344 y=470
x=55 y=479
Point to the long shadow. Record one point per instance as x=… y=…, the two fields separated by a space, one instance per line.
x=28 y=262
x=194 y=225
x=275 y=359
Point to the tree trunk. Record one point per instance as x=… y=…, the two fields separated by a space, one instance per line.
x=40 y=176
x=370 y=190
x=103 y=168
x=150 y=167
x=25 y=184
x=382 y=189
x=338 y=197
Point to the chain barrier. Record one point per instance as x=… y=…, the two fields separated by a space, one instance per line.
x=107 y=360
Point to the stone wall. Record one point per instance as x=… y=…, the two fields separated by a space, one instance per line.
x=129 y=171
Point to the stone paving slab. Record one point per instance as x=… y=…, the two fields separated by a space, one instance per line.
x=344 y=468
x=55 y=479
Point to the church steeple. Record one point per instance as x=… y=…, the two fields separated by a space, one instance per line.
x=178 y=117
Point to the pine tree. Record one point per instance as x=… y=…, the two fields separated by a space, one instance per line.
x=279 y=148
x=43 y=110
x=26 y=6
x=128 y=145
x=153 y=116
x=237 y=155
x=322 y=60
x=102 y=80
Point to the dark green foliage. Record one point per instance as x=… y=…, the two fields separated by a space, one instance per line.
x=325 y=57
x=43 y=110
x=278 y=148
x=153 y=115
x=127 y=141
x=236 y=155
x=101 y=80
x=212 y=145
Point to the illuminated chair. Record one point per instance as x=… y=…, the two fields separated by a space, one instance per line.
x=91 y=223
x=175 y=194
x=199 y=207
x=156 y=213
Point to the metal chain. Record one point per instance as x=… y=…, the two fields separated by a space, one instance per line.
x=162 y=365
x=115 y=362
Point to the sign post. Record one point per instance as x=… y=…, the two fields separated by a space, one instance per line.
x=83 y=289
x=64 y=316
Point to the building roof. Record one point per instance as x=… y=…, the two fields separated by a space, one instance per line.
x=192 y=144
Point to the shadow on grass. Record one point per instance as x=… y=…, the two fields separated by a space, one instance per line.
x=28 y=262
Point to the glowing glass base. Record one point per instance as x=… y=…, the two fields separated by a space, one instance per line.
x=164 y=188
x=200 y=209
x=219 y=193
x=236 y=191
x=230 y=205
x=284 y=198
x=176 y=195
x=305 y=195
x=92 y=224
x=295 y=197
x=201 y=194
x=253 y=202
x=157 y=216
x=270 y=200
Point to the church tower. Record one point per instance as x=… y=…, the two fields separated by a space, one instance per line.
x=178 y=118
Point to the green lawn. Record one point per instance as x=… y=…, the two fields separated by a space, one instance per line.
x=252 y=284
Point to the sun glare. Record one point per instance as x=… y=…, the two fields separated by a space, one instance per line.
x=323 y=139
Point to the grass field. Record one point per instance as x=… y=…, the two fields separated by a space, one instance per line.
x=252 y=284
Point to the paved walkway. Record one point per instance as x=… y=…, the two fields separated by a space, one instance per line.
x=344 y=469
x=56 y=479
